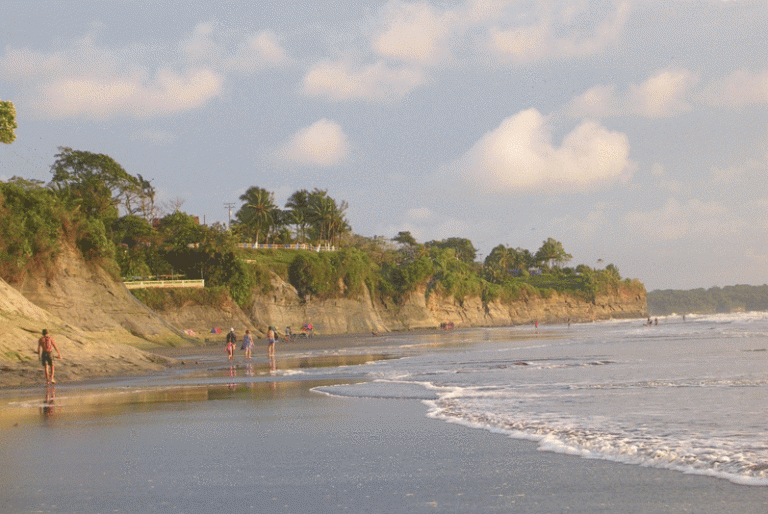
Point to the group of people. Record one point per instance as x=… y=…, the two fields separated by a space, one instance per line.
x=46 y=346
x=247 y=344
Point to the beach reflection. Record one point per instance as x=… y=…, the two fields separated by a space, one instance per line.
x=256 y=381
x=48 y=408
x=78 y=405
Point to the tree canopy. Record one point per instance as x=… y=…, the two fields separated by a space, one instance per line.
x=256 y=216
x=552 y=251
x=98 y=184
x=7 y=122
x=464 y=249
x=405 y=238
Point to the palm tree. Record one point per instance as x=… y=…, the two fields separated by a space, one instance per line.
x=256 y=215
x=326 y=217
x=298 y=207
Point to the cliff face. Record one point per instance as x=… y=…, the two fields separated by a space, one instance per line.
x=419 y=312
x=87 y=297
x=86 y=354
x=283 y=307
x=100 y=326
x=96 y=323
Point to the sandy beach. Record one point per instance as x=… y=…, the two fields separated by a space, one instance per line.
x=257 y=442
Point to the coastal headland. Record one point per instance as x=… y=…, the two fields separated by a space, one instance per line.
x=103 y=330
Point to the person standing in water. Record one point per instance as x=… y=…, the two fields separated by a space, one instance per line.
x=45 y=346
x=247 y=343
x=230 y=349
x=271 y=343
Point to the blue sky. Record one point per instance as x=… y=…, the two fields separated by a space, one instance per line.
x=636 y=133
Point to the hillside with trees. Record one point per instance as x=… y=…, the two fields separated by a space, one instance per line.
x=738 y=298
x=110 y=216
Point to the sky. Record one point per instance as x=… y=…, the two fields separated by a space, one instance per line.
x=633 y=132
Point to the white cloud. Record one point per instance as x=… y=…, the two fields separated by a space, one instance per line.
x=228 y=51
x=522 y=44
x=256 y=52
x=550 y=30
x=25 y=65
x=321 y=144
x=519 y=155
x=81 y=58
x=676 y=221
x=414 y=33
x=377 y=82
x=96 y=97
x=664 y=94
x=739 y=89
x=84 y=80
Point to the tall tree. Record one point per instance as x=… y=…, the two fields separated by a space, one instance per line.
x=7 y=122
x=405 y=238
x=180 y=230
x=95 y=182
x=552 y=251
x=256 y=214
x=140 y=200
x=327 y=218
x=299 y=213
x=464 y=249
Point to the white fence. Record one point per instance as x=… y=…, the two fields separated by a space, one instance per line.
x=166 y=284
x=293 y=246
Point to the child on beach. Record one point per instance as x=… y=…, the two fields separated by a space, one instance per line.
x=230 y=349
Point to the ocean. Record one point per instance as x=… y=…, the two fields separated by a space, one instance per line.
x=689 y=396
x=601 y=417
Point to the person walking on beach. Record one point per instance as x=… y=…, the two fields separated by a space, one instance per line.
x=231 y=336
x=247 y=343
x=45 y=346
x=230 y=348
x=271 y=343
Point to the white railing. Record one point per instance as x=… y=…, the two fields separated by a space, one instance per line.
x=292 y=246
x=167 y=284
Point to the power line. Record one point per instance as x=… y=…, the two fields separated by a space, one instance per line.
x=229 y=206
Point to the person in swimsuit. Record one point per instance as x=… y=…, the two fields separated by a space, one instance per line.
x=45 y=346
x=271 y=343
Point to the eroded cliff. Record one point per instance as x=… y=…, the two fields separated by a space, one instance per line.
x=283 y=307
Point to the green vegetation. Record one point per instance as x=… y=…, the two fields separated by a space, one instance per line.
x=739 y=298
x=34 y=221
x=110 y=217
x=164 y=299
x=7 y=122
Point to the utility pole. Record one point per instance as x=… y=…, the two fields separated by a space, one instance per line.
x=229 y=206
